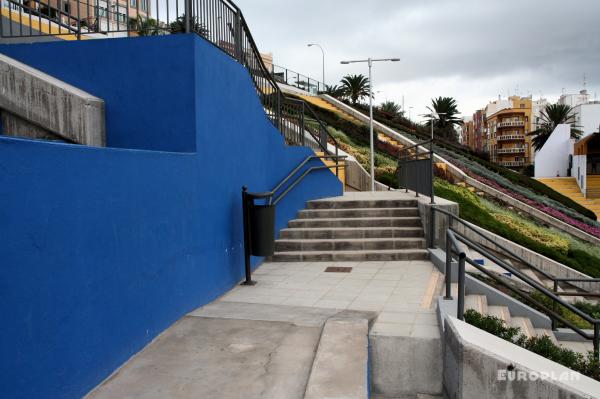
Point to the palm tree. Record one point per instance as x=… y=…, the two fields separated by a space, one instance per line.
x=552 y=116
x=144 y=27
x=178 y=26
x=444 y=114
x=390 y=107
x=334 y=91
x=355 y=87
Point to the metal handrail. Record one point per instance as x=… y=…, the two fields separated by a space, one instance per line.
x=454 y=236
x=508 y=253
x=248 y=200
x=310 y=82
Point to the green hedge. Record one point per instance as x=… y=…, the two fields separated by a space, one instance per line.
x=542 y=345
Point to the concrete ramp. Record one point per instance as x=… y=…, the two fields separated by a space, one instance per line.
x=219 y=358
x=340 y=368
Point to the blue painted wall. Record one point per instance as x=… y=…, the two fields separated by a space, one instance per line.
x=104 y=248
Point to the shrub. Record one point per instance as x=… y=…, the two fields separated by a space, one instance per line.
x=541 y=345
x=535 y=233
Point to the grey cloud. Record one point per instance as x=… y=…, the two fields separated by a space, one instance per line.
x=539 y=44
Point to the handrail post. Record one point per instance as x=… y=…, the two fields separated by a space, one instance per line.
x=188 y=12
x=247 y=238
x=555 y=290
x=239 y=54
x=460 y=312
x=337 y=163
x=418 y=173
x=596 y=340
x=448 y=271
x=432 y=227
x=432 y=167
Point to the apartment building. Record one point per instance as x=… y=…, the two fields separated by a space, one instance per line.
x=95 y=15
x=508 y=124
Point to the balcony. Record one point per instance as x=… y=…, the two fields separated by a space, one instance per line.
x=514 y=150
x=511 y=163
x=510 y=137
x=510 y=124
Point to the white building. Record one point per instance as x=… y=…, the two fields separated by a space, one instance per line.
x=554 y=158
x=587 y=112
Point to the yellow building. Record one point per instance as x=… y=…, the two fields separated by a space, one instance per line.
x=509 y=122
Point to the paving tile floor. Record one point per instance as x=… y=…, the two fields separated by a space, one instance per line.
x=402 y=292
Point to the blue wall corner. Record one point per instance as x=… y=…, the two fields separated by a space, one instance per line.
x=104 y=248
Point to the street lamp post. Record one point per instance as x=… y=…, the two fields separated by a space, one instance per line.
x=433 y=113
x=323 y=54
x=370 y=62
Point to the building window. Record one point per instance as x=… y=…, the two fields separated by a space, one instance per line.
x=144 y=5
x=133 y=3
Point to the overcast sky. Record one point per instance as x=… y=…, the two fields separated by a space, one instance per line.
x=472 y=50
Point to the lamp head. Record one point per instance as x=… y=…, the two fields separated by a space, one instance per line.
x=344 y=62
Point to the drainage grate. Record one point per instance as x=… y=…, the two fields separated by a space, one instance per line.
x=338 y=269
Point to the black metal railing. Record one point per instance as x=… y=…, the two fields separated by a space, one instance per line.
x=454 y=239
x=220 y=22
x=296 y=79
x=273 y=197
x=415 y=169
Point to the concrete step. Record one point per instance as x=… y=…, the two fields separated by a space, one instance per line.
x=348 y=244
x=341 y=232
x=340 y=368
x=349 y=204
x=500 y=312
x=357 y=213
x=357 y=222
x=356 y=256
x=477 y=303
x=524 y=324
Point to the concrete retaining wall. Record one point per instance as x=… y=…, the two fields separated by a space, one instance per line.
x=357 y=178
x=55 y=106
x=480 y=365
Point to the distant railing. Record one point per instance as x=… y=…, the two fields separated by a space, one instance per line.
x=511 y=163
x=220 y=22
x=510 y=150
x=295 y=79
x=506 y=137
x=511 y=124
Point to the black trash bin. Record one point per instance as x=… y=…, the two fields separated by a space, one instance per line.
x=262 y=230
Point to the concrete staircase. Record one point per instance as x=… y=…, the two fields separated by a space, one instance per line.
x=341 y=229
x=479 y=303
x=568 y=187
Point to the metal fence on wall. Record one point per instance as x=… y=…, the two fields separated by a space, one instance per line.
x=220 y=22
